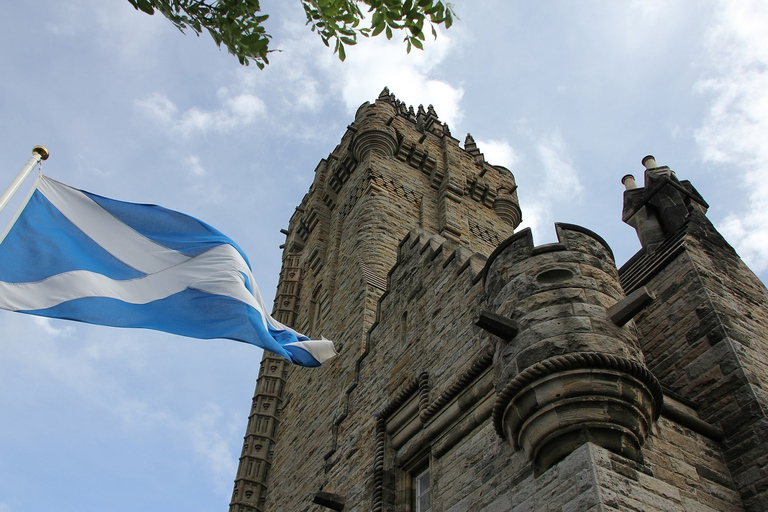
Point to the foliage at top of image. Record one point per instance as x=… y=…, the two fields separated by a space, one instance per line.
x=239 y=24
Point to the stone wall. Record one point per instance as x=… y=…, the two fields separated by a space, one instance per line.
x=705 y=338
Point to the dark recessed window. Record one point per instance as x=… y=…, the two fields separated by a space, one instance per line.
x=556 y=275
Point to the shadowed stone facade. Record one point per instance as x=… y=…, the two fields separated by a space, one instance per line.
x=508 y=376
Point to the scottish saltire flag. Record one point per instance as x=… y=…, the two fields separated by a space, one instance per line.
x=78 y=256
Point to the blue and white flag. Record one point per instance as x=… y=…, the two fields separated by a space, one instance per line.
x=78 y=256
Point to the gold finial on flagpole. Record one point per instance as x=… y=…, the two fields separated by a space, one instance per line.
x=42 y=151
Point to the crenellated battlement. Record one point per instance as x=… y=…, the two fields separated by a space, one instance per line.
x=423 y=142
x=435 y=249
x=518 y=254
x=424 y=120
x=570 y=237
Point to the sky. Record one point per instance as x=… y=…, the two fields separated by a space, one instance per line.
x=570 y=96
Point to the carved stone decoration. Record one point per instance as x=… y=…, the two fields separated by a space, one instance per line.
x=571 y=375
x=507 y=207
x=557 y=405
x=373 y=133
x=373 y=141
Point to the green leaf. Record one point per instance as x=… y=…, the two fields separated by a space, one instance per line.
x=377 y=30
x=146 y=6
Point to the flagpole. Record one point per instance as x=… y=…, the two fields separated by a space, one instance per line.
x=39 y=153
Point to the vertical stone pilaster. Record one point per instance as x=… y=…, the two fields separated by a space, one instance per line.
x=249 y=494
x=259 y=443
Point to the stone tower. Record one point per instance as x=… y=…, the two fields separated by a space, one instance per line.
x=396 y=170
x=478 y=371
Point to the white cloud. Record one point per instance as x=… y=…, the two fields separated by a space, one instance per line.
x=96 y=372
x=498 y=152
x=537 y=215
x=158 y=107
x=377 y=62
x=235 y=111
x=204 y=434
x=198 y=183
x=736 y=127
x=117 y=27
x=560 y=179
x=305 y=76
x=209 y=443
x=312 y=75
x=292 y=76
x=194 y=165
x=63 y=331
x=308 y=95
x=551 y=185
x=208 y=191
x=649 y=8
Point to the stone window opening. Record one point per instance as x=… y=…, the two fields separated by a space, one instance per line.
x=422 y=492
x=413 y=484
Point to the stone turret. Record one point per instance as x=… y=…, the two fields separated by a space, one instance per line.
x=571 y=369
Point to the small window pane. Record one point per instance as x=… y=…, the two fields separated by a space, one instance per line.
x=423 y=500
